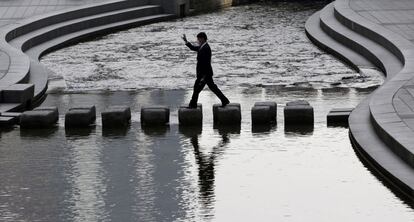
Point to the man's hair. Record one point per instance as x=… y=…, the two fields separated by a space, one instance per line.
x=202 y=35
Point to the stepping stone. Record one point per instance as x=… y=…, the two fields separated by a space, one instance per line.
x=38 y=119
x=298 y=103
x=298 y=113
x=155 y=115
x=228 y=115
x=116 y=116
x=7 y=121
x=80 y=116
x=54 y=109
x=190 y=117
x=18 y=93
x=12 y=114
x=338 y=116
x=272 y=110
x=217 y=105
x=261 y=115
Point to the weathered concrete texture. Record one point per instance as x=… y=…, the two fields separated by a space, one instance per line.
x=7 y=121
x=155 y=115
x=298 y=113
x=228 y=115
x=17 y=93
x=261 y=115
x=217 y=105
x=80 y=116
x=53 y=109
x=338 y=117
x=272 y=109
x=189 y=116
x=116 y=116
x=38 y=119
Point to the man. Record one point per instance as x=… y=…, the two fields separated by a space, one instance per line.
x=204 y=70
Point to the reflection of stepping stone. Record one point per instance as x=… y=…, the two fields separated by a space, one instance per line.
x=155 y=115
x=216 y=106
x=298 y=112
x=272 y=109
x=228 y=115
x=116 y=116
x=338 y=116
x=41 y=117
x=190 y=117
x=81 y=116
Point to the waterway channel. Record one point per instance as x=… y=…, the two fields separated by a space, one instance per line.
x=260 y=52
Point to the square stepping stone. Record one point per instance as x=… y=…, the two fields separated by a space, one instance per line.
x=54 y=109
x=155 y=115
x=190 y=116
x=7 y=121
x=80 y=116
x=272 y=110
x=298 y=113
x=38 y=119
x=13 y=114
x=261 y=115
x=217 y=105
x=18 y=93
x=338 y=117
x=116 y=116
x=228 y=115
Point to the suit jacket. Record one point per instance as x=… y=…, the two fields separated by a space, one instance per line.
x=203 y=60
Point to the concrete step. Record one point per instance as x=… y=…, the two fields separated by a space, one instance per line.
x=39 y=73
x=381 y=57
x=376 y=154
x=330 y=45
x=46 y=33
x=75 y=37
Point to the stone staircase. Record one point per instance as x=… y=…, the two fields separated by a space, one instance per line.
x=380 y=133
x=27 y=41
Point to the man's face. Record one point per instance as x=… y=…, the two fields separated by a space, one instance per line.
x=200 y=40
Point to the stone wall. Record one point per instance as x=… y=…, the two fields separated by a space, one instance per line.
x=186 y=7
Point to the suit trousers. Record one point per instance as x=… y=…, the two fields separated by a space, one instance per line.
x=199 y=86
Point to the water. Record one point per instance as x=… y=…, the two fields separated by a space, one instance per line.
x=175 y=174
x=253 y=46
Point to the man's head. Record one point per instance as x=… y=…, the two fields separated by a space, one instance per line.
x=202 y=38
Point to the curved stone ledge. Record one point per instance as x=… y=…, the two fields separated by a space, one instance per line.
x=58 y=29
x=394 y=131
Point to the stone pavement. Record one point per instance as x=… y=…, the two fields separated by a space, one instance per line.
x=15 y=10
x=394 y=15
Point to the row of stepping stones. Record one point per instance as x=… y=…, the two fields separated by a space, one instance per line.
x=298 y=112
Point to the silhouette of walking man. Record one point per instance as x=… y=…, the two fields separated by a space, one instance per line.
x=204 y=70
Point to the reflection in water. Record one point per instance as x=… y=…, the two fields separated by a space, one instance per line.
x=206 y=166
x=263 y=128
x=86 y=176
x=76 y=133
x=294 y=130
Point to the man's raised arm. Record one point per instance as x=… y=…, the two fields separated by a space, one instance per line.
x=189 y=45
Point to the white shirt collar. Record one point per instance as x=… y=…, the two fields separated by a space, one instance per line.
x=203 y=45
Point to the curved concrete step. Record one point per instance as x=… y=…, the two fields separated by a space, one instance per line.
x=73 y=38
x=330 y=45
x=18 y=70
x=39 y=73
x=46 y=33
x=377 y=154
x=376 y=53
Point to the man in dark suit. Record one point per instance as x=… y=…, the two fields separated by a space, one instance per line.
x=204 y=70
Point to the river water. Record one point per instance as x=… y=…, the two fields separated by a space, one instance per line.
x=260 y=52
